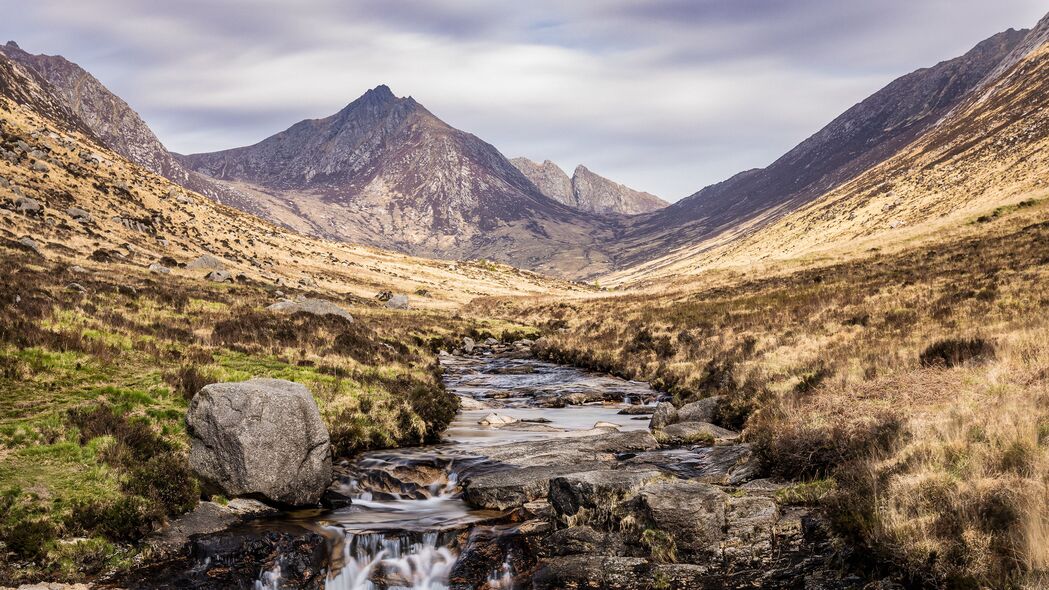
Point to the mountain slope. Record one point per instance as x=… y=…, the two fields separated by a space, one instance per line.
x=586 y=190
x=385 y=171
x=858 y=140
x=989 y=154
x=68 y=198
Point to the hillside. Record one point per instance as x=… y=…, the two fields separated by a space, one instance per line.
x=384 y=171
x=586 y=190
x=854 y=143
x=988 y=154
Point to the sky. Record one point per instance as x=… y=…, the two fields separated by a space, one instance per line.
x=666 y=96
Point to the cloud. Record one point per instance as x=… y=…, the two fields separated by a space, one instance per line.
x=666 y=96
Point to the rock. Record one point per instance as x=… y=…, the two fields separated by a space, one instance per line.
x=701 y=411
x=317 y=307
x=29 y=243
x=28 y=205
x=691 y=513
x=588 y=572
x=160 y=269
x=262 y=437
x=183 y=199
x=398 y=302
x=598 y=492
x=577 y=540
x=219 y=276
x=79 y=215
x=40 y=166
x=468 y=344
x=206 y=262
x=384 y=296
x=513 y=488
x=77 y=269
x=524 y=343
x=638 y=410
x=602 y=424
x=684 y=433
x=469 y=404
x=496 y=420
x=206 y=518
x=77 y=287
x=490 y=341
x=665 y=415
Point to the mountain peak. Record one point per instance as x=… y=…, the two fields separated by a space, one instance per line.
x=381 y=91
x=13 y=45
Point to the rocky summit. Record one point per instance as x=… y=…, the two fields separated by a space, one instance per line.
x=586 y=190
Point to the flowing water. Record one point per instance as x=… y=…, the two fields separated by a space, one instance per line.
x=407 y=525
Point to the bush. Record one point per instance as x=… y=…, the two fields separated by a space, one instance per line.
x=953 y=352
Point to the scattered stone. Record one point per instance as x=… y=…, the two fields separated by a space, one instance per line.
x=490 y=341
x=29 y=243
x=638 y=411
x=77 y=287
x=28 y=205
x=317 y=307
x=77 y=269
x=183 y=199
x=206 y=262
x=468 y=344
x=220 y=276
x=160 y=269
x=603 y=424
x=398 y=302
x=79 y=215
x=262 y=437
x=40 y=166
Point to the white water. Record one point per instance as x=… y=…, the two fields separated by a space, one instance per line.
x=269 y=580
x=406 y=565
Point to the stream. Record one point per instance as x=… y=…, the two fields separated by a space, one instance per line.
x=564 y=487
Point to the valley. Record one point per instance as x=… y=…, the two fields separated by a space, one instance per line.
x=372 y=352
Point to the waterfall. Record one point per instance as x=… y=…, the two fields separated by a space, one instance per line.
x=403 y=563
x=269 y=579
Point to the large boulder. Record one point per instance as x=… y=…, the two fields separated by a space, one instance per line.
x=689 y=433
x=206 y=262
x=689 y=512
x=261 y=438
x=665 y=415
x=398 y=302
x=701 y=411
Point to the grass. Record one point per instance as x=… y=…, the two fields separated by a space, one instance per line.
x=93 y=450
x=915 y=381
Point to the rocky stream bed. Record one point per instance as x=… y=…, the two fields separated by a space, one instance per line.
x=549 y=478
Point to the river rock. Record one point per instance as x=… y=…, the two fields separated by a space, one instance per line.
x=262 y=437
x=496 y=420
x=602 y=424
x=317 y=307
x=468 y=344
x=691 y=513
x=638 y=411
x=701 y=411
x=685 y=433
x=598 y=492
x=469 y=404
x=665 y=415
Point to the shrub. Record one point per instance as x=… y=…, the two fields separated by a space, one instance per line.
x=953 y=352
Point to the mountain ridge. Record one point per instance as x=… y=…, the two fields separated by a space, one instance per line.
x=587 y=190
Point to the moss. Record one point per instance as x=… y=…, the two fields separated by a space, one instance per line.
x=661 y=545
x=809 y=493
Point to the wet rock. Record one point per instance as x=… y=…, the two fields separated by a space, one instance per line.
x=206 y=518
x=665 y=415
x=701 y=411
x=398 y=302
x=262 y=437
x=496 y=420
x=598 y=492
x=469 y=404
x=586 y=572
x=601 y=424
x=685 y=433
x=638 y=411
x=219 y=276
x=317 y=307
x=513 y=488
x=578 y=540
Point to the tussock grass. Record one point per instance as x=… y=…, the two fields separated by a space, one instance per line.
x=909 y=388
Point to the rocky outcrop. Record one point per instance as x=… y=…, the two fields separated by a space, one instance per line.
x=262 y=438
x=586 y=190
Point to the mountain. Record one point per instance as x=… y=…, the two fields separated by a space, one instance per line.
x=856 y=141
x=586 y=190
x=385 y=171
x=66 y=197
x=985 y=154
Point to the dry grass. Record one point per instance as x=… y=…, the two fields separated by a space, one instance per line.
x=915 y=380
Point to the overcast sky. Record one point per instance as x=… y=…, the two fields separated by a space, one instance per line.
x=666 y=95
